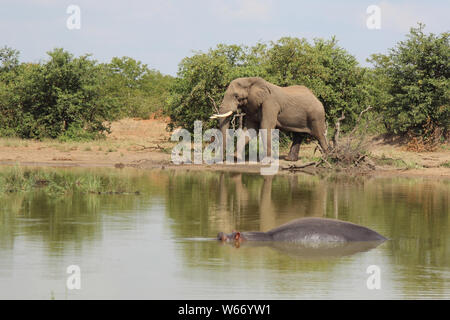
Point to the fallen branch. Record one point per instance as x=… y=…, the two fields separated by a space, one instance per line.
x=294 y=167
x=157 y=147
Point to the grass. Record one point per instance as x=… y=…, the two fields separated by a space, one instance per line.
x=13 y=142
x=59 y=182
x=445 y=164
x=397 y=162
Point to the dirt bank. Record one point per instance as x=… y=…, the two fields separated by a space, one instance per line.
x=145 y=144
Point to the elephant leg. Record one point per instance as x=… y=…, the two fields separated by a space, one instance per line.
x=269 y=121
x=295 y=148
x=249 y=130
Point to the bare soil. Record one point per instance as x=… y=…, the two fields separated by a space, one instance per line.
x=146 y=144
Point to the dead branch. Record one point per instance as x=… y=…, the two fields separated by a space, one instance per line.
x=359 y=119
x=337 y=129
x=213 y=102
x=294 y=167
x=318 y=147
x=157 y=147
x=323 y=160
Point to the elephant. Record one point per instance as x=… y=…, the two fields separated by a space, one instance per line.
x=267 y=106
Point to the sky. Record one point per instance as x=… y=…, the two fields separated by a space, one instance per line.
x=160 y=33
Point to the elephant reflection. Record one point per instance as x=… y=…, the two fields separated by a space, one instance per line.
x=276 y=200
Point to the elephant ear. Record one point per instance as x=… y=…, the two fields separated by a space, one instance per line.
x=260 y=92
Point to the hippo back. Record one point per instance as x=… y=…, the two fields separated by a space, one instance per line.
x=323 y=230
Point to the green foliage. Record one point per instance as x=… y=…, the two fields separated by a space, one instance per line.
x=206 y=76
x=9 y=59
x=57 y=182
x=413 y=82
x=77 y=133
x=328 y=70
x=74 y=98
x=45 y=100
x=138 y=90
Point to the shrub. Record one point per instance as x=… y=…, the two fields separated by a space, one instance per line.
x=46 y=100
x=206 y=76
x=138 y=90
x=415 y=78
x=328 y=70
x=74 y=98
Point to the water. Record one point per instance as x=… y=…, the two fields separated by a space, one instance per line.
x=157 y=245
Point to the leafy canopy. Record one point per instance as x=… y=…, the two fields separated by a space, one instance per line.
x=328 y=70
x=414 y=78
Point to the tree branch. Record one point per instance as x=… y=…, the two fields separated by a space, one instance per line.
x=337 y=130
x=359 y=118
x=213 y=102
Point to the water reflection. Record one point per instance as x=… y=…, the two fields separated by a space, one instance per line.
x=316 y=252
x=154 y=237
x=413 y=213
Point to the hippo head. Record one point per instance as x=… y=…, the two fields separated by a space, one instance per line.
x=234 y=236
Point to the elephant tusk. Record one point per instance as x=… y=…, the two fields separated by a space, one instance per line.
x=225 y=115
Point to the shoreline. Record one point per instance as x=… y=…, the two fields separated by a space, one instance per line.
x=429 y=173
x=145 y=144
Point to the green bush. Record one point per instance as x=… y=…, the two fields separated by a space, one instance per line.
x=74 y=98
x=414 y=84
x=138 y=90
x=206 y=76
x=45 y=100
x=328 y=70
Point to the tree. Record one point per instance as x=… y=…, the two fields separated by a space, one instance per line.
x=328 y=70
x=137 y=89
x=73 y=98
x=62 y=96
x=415 y=75
x=205 y=76
x=9 y=59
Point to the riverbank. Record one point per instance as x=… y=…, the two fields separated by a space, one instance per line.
x=145 y=144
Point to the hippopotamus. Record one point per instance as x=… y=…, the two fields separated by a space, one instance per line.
x=308 y=230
